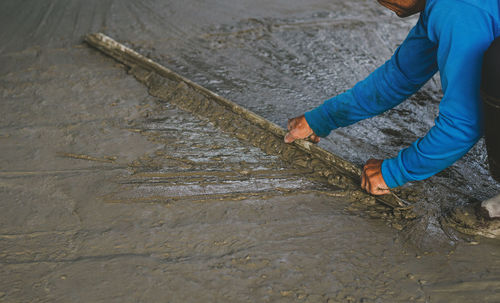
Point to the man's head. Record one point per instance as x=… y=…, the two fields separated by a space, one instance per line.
x=404 y=8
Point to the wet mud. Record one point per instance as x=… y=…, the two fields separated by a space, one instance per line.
x=110 y=194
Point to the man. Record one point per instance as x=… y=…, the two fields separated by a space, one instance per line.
x=451 y=37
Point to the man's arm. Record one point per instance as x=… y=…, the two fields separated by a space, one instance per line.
x=413 y=64
x=463 y=32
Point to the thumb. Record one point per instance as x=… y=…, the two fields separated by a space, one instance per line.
x=289 y=138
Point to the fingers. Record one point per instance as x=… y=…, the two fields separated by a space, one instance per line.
x=381 y=191
x=372 y=180
x=289 y=138
x=298 y=128
x=313 y=138
x=291 y=126
x=366 y=183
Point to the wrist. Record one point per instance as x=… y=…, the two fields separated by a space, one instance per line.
x=391 y=173
x=319 y=121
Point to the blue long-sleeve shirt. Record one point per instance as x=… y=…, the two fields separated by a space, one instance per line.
x=451 y=37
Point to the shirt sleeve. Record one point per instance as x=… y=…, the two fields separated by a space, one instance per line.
x=463 y=33
x=413 y=64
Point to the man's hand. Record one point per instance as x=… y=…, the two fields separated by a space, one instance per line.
x=372 y=180
x=298 y=128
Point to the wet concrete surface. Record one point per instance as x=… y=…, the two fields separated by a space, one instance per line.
x=111 y=195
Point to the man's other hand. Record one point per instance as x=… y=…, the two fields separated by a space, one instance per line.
x=372 y=180
x=298 y=128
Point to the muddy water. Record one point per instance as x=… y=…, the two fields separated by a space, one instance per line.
x=109 y=194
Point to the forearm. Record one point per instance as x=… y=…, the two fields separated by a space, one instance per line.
x=366 y=99
x=410 y=67
x=444 y=144
x=462 y=32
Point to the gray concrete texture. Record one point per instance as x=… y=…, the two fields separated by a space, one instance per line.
x=111 y=195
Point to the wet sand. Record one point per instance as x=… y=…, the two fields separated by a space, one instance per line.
x=112 y=195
